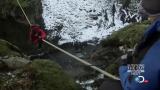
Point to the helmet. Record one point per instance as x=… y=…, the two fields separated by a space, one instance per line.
x=151 y=7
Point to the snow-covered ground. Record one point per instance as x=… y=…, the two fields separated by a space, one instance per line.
x=76 y=16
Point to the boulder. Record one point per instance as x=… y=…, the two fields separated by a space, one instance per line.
x=15 y=62
x=110 y=85
x=117 y=44
x=8 y=49
x=37 y=75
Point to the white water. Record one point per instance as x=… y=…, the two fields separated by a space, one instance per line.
x=88 y=84
x=75 y=17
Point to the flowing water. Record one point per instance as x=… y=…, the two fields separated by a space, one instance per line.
x=81 y=20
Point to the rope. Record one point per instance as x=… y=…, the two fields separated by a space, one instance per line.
x=71 y=55
x=83 y=61
x=24 y=12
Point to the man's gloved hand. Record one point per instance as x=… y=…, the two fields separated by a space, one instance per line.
x=126 y=59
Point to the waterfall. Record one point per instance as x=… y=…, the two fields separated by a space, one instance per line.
x=81 y=20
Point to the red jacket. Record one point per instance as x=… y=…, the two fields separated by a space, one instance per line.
x=37 y=34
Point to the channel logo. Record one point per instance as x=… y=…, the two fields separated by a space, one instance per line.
x=141 y=79
x=135 y=69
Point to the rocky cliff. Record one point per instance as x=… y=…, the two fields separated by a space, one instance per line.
x=117 y=44
x=13 y=25
x=17 y=71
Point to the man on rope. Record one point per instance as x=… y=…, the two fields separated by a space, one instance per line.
x=37 y=34
x=142 y=71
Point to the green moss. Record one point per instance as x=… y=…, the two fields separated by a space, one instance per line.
x=8 y=6
x=49 y=76
x=13 y=24
x=38 y=75
x=7 y=48
x=113 y=69
x=16 y=33
x=24 y=3
x=128 y=36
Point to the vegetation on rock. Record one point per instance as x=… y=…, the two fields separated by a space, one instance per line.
x=38 y=75
x=126 y=38
x=8 y=49
x=128 y=35
x=14 y=27
x=17 y=73
x=49 y=76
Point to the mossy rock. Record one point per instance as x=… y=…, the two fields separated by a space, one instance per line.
x=49 y=76
x=113 y=69
x=38 y=75
x=8 y=6
x=13 y=24
x=128 y=35
x=15 y=62
x=16 y=33
x=8 y=49
x=24 y=3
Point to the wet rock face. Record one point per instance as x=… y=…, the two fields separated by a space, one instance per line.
x=8 y=49
x=108 y=58
x=3 y=65
x=15 y=62
x=106 y=55
x=33 y=9
x=110 y=85
x=13 y=24
x=118 y=44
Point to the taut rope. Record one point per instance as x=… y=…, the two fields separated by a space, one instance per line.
x=71 y=55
